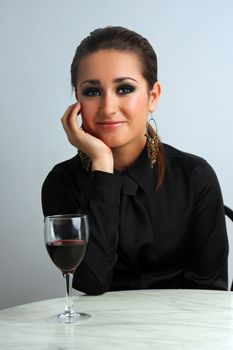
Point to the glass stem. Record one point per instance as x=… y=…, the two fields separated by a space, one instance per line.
x=69 y=303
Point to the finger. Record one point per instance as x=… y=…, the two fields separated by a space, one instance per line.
x=68 y=110
x=72 y=108
x=70 y=125
x=69 y=119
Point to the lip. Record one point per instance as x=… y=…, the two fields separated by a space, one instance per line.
x=111 y=124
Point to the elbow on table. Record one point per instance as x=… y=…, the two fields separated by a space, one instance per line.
x=93 y=289
x=90 y=282
x=91 y=286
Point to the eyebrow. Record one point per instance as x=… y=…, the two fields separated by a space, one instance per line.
x=97 y=82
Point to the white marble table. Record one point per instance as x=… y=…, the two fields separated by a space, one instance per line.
x=146 y=319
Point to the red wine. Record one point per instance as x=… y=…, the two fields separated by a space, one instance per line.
x=66 y=254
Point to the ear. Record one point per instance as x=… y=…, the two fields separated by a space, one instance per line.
x=154 y=96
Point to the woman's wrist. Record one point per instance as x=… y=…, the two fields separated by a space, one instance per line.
x=103 y=164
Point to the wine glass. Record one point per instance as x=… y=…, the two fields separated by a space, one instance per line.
x=66 y=238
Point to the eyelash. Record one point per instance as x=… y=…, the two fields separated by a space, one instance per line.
x=127 y=89
x=121 y=90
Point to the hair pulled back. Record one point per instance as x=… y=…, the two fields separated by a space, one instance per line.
x=119 y=39
x=124 y=40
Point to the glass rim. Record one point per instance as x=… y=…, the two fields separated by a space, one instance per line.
x=66 y=216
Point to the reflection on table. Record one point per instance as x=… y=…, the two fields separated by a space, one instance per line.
x=146 y=319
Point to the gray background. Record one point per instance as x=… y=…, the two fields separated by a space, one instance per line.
x=193 y=40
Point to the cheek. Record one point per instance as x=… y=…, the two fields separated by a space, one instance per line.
x=139 y=103
x=87 y=117
x=84 y=124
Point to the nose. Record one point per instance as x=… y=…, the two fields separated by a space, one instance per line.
x=109 y=104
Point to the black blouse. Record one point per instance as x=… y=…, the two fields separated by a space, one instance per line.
x=139 y=237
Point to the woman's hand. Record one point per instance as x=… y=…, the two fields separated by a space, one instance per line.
x=99 y=153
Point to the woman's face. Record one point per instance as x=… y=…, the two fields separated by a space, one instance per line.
x=114 y=97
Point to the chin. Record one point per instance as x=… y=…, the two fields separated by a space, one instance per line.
x=113 y=142
x=113 y=145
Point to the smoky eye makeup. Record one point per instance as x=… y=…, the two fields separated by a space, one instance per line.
x=121 y=89
x=90 y=91
x=125 y=89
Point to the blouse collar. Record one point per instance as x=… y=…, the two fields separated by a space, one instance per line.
x=141 y=172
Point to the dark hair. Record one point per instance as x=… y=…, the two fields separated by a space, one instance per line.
x=122 y=39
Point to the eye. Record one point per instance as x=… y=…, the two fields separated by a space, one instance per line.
x=125 y=89
x=91 y=91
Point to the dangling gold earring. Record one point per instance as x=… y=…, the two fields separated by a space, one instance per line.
x=85 y=160
x=152 y=141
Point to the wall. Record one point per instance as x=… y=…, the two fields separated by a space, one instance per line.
x=193 y=40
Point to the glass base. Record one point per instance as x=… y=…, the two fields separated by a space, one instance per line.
x=67 y=318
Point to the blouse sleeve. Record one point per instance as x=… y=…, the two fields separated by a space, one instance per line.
x=207 y=262
x=94 y=274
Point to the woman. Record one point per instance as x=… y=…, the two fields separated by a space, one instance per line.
x=156 y=213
